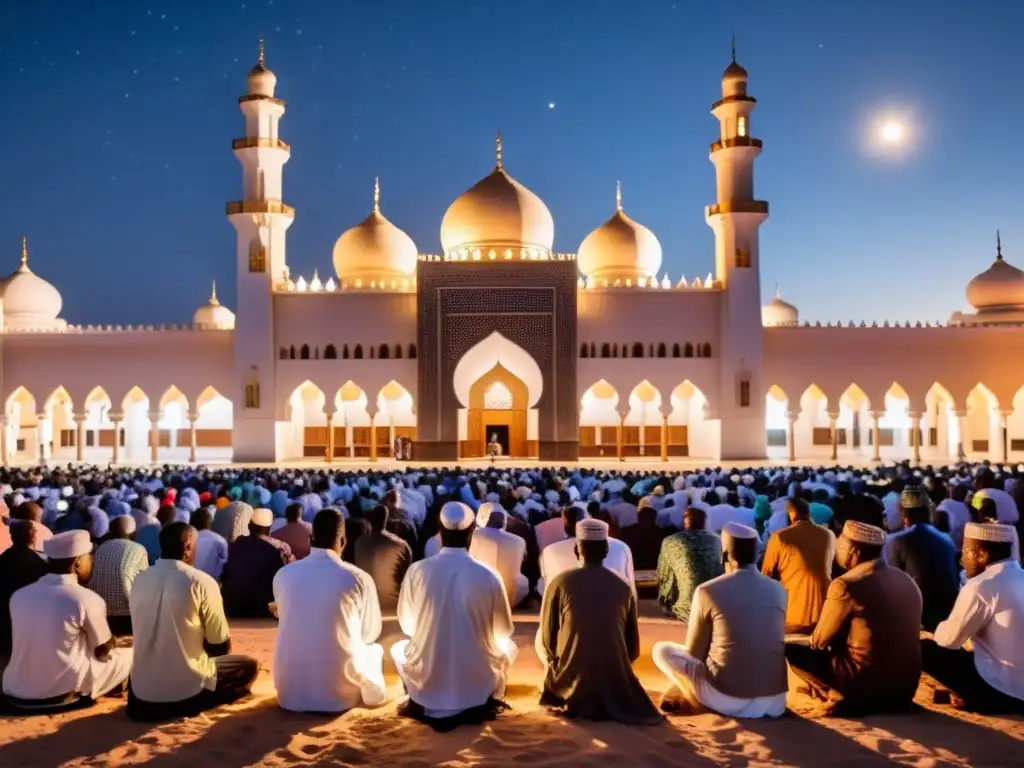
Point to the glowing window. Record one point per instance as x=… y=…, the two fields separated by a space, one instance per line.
x=498 y=397
x=741 y=126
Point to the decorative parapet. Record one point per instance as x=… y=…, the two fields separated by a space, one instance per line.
x=883 y=324
x=698 y=284
x=314 y=285
x=498 y=254
x=96 y=329
x=259 y=206
x=250 y=142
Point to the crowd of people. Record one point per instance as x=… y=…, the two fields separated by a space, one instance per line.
x=120 y=582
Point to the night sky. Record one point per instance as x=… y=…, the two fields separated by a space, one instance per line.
x=118 y=119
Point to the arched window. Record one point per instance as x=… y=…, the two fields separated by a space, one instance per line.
x=398 y=351
x=304 y=352
x=344 y=351
x=688 y=350
x=583 y=350
x=283 y=354
x=412 y=351
x=291 y=352
x=705 y=350
x=358 y=352
x=385 y=352
x=330 y=353
x=638 y=349
x=675 y=350
x=661 y=349
x=606 y=350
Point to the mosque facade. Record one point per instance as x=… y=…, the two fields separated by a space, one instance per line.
x=498 y=339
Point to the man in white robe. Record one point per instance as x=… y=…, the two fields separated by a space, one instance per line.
x=495 y=547
x=327 y=658
x=455 y=613
x=561 y=555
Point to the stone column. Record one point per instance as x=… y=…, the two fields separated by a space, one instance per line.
x=618 y=437
x=330 y=438
x=154 y=436
x=391 y=437
x=116 y=419
x=41 y=452
x=791 y=417
x=80 y=435
x=373 y=437
x=664 y=437
x=192 y=419
x=876 y=436
x=4 y=438
x=965 y=442
x=833 y=419
x=915 y=435
x=1004 y=436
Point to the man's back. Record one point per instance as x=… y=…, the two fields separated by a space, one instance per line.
x=687 y=560
x=297 y=536
x=328 y=612
x=644 y=541
x=502 y=551
x=386 y=558
x=19 y=567
x=249 y=576
x=800 y=558
x=930 y=559
x=561 y=556
x=738 y=628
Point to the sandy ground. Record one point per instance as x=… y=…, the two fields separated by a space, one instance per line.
x=256 y=732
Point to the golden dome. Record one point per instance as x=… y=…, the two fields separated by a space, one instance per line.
x=261 y=80
x=497 y=212
x=620 y=249
x=998 y=287
x=374 y=250
x=213 y=315
x=778 y=312
x=29 y=302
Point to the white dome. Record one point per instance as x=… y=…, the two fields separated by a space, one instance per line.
x=374 y=250
x=497 y=212
x=999 y=287
x=29 y=302
x=213 y=315
x=261 y=80
x=778 y=312
x=620 y=249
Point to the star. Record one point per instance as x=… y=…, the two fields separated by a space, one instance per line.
x=551 y=105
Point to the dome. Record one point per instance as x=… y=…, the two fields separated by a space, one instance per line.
x=734 y=72
x=29 y=302
x=261 y=80
x=998 y=287
x=620 y=249
x=213 y=315
x=374 y=250
x=497 y=212
x=778 y=312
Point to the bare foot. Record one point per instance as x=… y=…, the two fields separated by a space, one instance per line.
x=673 y=702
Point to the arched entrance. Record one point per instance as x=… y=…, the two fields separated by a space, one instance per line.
x=498 y=404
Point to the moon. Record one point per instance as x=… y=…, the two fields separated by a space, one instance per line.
x=892 y=132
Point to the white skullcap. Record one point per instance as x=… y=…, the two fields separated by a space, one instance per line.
x=483 y=513
x=456 y=516
x=67 y=545
x=66 y=491
x=997 y=532
x=128 y=524
x=591 y=529
x=262 y=517
x=738 y=531
x=863 y=533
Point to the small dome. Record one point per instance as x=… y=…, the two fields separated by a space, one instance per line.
x=29 y=302
x=778 y=312
x=998 y=287
x=620 y=249
x=261 y=80
x=497 y=212
x=374 y=250
x=213 y=315
x=734 y=72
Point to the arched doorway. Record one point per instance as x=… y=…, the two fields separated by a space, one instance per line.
x=498 y=406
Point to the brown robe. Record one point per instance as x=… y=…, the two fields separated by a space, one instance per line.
x=800 y=558
x=590 y=633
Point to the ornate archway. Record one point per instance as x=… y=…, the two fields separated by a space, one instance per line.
x=498 y=405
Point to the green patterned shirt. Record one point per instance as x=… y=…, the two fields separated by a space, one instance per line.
x=687 y=560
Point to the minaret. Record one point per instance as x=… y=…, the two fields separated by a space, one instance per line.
x=261 y=220
x=735 y=219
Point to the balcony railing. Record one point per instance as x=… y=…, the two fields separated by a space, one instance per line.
x=257 y=97
x=250 y=142
x=738 y=141
x=752 y=206
x=259 y=206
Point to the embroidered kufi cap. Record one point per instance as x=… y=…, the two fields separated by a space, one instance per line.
x=262 y=517
x=913 y=497
x=456 y=516
x=738 y=531
x=997 y=532
x=591 y=529
x=67 y=545
x=863 y=533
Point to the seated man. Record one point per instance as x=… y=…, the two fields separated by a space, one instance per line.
x=117 y=562
x=561 y=555
x=800 y=558
x=182 y=642
x=20 y=565
x=687 y=560
x=327 y=658
x=62 y=651
x=454 y=611
x=253 y=562
x=864 y=655
x=295 y=532
x=989 y=612
x=492 y=545
x=734 y=660
x=590 y=639
x=384 y=556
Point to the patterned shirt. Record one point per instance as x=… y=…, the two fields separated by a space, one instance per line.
x=687 y=560
x=115 y=565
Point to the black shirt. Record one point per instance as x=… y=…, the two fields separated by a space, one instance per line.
x=18 y=568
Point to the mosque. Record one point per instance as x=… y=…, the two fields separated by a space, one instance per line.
x=559 y=357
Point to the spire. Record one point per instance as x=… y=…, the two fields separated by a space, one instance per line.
x=500 y=166
x=618 y=196
x=261 y=59
x=778 y=295
x=376 y=194
x=24 y=254
x=213 y=295
x=999 y=248
x=734 y=47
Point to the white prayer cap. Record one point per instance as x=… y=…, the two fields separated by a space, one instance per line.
x=483 y=513
x=591 y=529
x=262 y=517
x=128 y=524
x=456 y=516
x=738 y=531
x=997 y=532
x=17 y=499
x=61 y=506
x=66 y=491
x=863 y=533
x=67 y=545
